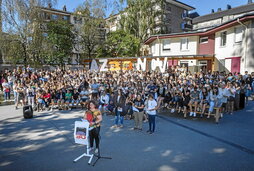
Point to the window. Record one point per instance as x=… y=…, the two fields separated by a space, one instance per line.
x=238 y=34
x=223 y=38
x=203 y=40
x=184 y=44
x=67 y=18
x=54 y=17
x=166 y=44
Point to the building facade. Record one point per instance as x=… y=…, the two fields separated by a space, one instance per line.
x=173 y=19
x=230 y=42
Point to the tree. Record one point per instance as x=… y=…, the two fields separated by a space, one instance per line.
x=141 y=16
x=60 y=42
x=120 y=44
x=21 y=22
x=91 y=33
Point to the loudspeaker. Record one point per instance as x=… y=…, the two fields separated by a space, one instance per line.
x=27 y=111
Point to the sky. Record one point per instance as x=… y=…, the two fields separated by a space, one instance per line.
x=202 y=6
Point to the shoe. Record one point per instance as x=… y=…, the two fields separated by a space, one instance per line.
x=134 y=128
x=191 y=113
x=96 y=151
x=114 y=126
x=140 y=129
x=16 y=108
x=194 y=114
x=172 y=111
x=208 y=116
x=151 y=132
x=148 y=131
x=91 y=149
x=121 y=126
x=201 y=116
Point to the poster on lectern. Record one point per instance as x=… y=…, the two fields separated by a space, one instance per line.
x=81 y=131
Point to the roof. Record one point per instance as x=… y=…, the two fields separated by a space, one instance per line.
x=209 y=31
x=232 y=11
x=181 y=4
x=56 y=10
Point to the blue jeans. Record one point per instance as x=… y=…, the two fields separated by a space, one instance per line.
x=6 y=95
x=151 y=119
x=211 y=106
x=117 y=118
x=16 y=94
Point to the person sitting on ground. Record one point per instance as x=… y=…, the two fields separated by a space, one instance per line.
x=204 y=100
x=68 y=99
x=75 y=98
x=213 y=100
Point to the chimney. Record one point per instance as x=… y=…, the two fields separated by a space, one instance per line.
x=219 y=9
x=212 y=11
x=249 y=1
x=49 y=5
x=228 y=6
x=64 y=8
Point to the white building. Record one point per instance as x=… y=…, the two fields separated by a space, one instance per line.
x=231 y=43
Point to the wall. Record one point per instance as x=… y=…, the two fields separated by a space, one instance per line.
x=176 y=18
x=250 y=48
x=207 y=48
x=175 y=44
x=231 y=49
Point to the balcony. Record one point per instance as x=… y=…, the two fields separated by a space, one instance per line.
x=186 y=27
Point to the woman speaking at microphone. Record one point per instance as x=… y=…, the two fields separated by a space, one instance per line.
x=94 y=117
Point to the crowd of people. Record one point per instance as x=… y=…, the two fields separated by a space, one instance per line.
x=129 y=94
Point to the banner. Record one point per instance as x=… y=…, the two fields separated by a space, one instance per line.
x=160 y=64
x=81 y=132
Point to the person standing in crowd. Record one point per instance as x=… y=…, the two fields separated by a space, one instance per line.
x=95 y=124
x=223 y=96
x=95 y=90
x=151 y=111
x=231 y=97
x=119 y=101
x=30 y=96
x=247 y=92
x=237 y=95
x=15 y=93
x=7 y=89
x=138 y=108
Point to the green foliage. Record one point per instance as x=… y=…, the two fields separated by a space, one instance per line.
x=60 y=41
x=22 y=40
x=120 y=44
x=91 y=34
x=139 y=18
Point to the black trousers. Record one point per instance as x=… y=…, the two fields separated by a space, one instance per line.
x=94 y=134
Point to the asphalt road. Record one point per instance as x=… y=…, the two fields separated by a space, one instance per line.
x=46 y=143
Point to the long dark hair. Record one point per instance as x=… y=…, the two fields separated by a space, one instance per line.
x=95 y=104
